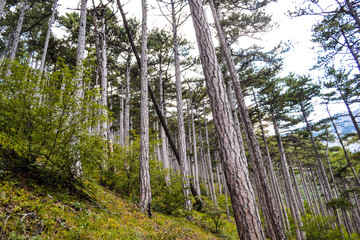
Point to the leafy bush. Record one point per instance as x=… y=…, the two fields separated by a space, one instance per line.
x=320 y=228
x=44 y=120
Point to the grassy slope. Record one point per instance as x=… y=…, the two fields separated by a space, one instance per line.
x=36 y=212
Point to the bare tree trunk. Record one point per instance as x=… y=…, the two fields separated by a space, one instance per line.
x=209 y=165
x=145 y=188
x=289 y=189
x=104 y=77
x=127 y=100
x=299 y=200
x=269 y=209
x=164 y=144
x=121 y=118
x=97 y=46
x=203 y=164
x=17 y=32
x=82 y=32
x=235 y=166
x=180 y=115
x=304 y=183
x=196 y=163
x=47 y=39
x=323 y=176
x=79 y=93
x=271 y=172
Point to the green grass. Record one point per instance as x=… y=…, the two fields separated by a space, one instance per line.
x=31 y=211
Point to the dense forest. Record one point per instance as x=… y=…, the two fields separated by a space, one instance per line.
x=110 y=129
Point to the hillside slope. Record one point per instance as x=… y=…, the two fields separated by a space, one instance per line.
x=32 y=211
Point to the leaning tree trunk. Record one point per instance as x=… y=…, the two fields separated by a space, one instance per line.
x=289 y=189
x=209 y=165
x=269 y=209
x=344 y=149
x=47 y=39
x=235 y=166
x=180 y=115
x=145 y=188
x=17 y=33
x=271 y=171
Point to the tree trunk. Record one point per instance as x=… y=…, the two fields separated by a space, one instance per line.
x=196 y=163
x=145 y=188
x=97 y=46
x=289 y=189
x=17 y=33
x=209 y=165
x=235 y=166
x=47 y=39
x=304 y=183
x=180 y=115
x=104 y=77
x=82 y=32
x=127 y=100
x=273 y=219
x=271 y=172
x=323 y=176
x=164 y=144
x=299 y=199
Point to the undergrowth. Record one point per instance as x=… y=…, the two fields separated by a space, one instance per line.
x=32 y=211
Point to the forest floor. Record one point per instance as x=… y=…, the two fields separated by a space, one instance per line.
x=29 y=210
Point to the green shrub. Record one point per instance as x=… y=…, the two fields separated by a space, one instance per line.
x=320 y=228
x=44 y=122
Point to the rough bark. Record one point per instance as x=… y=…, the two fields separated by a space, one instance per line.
x=17 y=32
x=273 y=219
x=235 y=166
x=47 y=39
x=145 y=188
